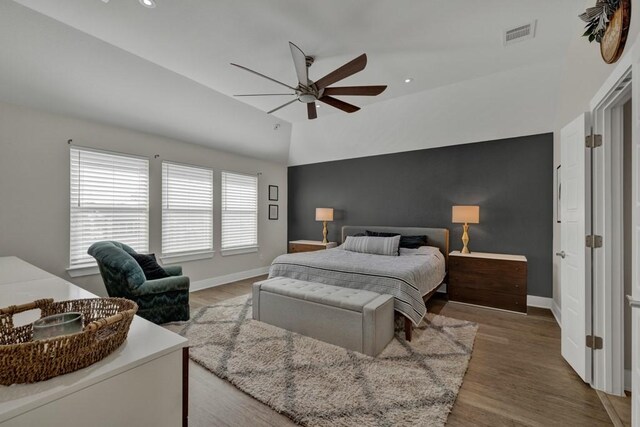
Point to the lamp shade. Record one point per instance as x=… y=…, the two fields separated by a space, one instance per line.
x=324 y=214
x=465 y=214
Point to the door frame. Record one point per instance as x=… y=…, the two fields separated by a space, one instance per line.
x=607 y=213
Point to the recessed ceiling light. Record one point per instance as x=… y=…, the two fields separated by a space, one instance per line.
x=148 y=3
x=408 y=80
x=317 y=105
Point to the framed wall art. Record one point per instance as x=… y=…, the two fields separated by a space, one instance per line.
x=273 y=212
x=273 y=193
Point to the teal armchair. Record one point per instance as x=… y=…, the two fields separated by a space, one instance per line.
x=159 y=301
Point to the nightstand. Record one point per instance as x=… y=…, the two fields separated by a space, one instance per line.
x=490 y=280
x=309 y=245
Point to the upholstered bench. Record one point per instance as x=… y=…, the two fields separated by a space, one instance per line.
x=354 y=319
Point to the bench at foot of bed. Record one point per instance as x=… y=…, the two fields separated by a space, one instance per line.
x=355 y=319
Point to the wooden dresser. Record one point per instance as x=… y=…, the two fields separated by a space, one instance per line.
x=309 y=245
x=491 y=280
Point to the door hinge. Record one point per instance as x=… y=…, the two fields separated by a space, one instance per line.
x=593 y=141
x=594 y=342
x=593 y=241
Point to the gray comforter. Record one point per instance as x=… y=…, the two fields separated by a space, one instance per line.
x=407 y=278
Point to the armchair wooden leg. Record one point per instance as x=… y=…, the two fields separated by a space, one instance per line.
x=407 y=328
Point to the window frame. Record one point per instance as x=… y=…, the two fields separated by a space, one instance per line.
x=240 y=249
x=172 y=258
x=91 y=267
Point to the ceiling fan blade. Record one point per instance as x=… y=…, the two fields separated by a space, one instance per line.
x=355 y=90
x=312 y=110
x=341 y=105
x=282 y=106
x=343 y=72
x=300 y=62
x=262 y=75
x=267 y=94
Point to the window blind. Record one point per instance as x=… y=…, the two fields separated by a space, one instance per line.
x=187 y=209
x=109 y=197
x=239 y=211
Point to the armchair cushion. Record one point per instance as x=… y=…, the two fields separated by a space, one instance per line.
x=160 y=286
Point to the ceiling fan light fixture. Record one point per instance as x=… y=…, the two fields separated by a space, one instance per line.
x=148 y=3
x=307 y=98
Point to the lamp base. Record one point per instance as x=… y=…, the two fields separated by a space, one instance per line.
x=324 y=232
x=465 y=239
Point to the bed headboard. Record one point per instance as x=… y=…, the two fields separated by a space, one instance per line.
x=436 y=236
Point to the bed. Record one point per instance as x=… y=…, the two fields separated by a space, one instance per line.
x=410 y=279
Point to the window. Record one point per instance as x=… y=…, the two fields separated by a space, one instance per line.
x=239 y=213
x=109 y=201
x=187 y=210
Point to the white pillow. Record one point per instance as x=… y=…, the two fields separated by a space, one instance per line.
x=422 y=250
x=372 y=245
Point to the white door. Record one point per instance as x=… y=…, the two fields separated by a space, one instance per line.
x=575 y=264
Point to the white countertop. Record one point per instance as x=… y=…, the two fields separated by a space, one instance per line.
x=145 y=342
x=13 y=269
x=486 y=255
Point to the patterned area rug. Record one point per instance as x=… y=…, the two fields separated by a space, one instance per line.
x=317 y=384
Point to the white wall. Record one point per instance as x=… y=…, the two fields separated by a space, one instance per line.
x=583 y=73
x=514 y=103
x=52 y=67
x=34 y=191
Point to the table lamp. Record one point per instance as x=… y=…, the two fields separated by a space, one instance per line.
x=465 y=215
x=324 y=215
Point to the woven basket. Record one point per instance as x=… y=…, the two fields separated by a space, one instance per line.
x=22 y=360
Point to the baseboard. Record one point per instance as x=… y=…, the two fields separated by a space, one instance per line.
x=555 y=309
x=627 y=379
x=199 y=285
x=543 y=302
x=540 y=302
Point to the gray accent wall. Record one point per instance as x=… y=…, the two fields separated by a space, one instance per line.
x=510 y=179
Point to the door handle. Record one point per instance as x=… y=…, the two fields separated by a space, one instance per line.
x=561 y=254
x=633 y=302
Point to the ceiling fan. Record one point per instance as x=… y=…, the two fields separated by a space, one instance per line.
x=308 y=91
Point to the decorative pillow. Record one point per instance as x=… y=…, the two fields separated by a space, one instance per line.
x=150 y=266
x=380 y=234
x=372 y=245
x=411 y=242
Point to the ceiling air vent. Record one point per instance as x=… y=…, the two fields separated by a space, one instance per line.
x=520 y=33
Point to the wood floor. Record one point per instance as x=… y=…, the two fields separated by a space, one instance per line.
x=618 y=408
x=516 y=375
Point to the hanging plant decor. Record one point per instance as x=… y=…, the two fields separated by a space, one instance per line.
x=608 y=24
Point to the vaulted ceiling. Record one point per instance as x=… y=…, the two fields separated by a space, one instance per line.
x=169 y=65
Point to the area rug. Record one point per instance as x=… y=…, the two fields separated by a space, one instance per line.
x=317 y=384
